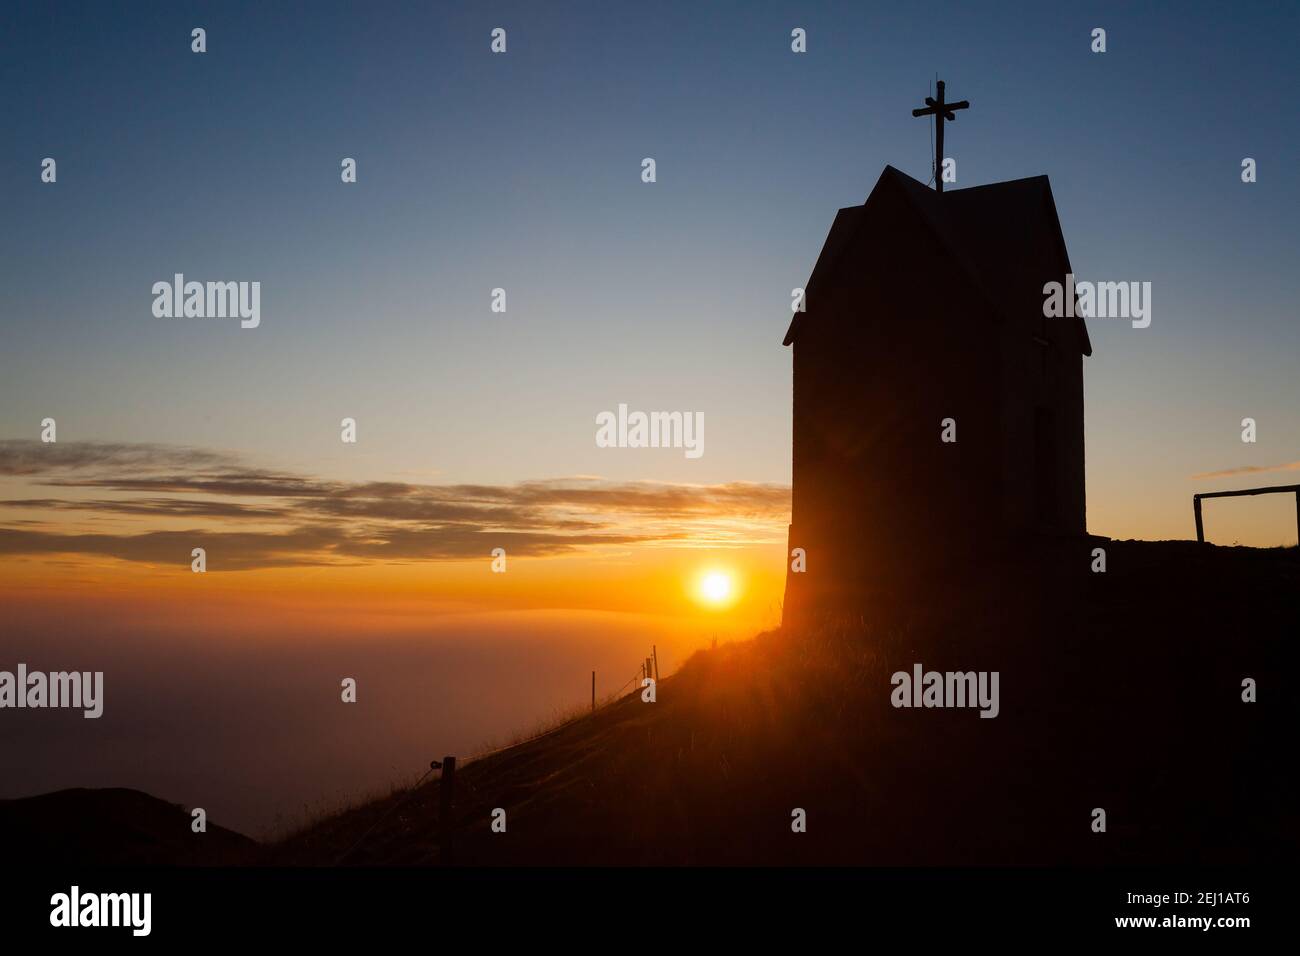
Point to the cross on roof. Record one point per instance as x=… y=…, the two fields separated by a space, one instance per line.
x=941 y=111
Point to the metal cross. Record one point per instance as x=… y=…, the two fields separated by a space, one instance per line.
x=941 y=111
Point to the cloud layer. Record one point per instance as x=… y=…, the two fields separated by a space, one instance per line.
x=255 y=518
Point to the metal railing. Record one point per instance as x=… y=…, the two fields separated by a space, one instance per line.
x=1276 y=489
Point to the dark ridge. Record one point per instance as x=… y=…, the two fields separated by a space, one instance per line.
x=114 y=827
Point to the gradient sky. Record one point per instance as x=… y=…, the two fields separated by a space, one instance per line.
x=523 y=171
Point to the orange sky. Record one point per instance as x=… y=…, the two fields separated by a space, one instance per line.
x=113 y=526
x=400 y=597
x=86 y=524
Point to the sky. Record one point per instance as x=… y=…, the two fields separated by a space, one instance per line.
x=522 y=171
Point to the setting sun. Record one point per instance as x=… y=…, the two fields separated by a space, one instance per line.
x=717 y=587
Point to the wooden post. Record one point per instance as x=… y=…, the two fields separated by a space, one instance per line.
x=593 y=690
x=446 y=796
x=654 y=648
x=1272 y=490
x=649 y=671
x=938 y=145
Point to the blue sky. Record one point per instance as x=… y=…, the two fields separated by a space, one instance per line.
x=523 y=171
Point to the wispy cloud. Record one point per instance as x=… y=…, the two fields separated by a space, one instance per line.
x=1249 y=470
x=24 y=457
x=175 y=507
x=304 y=520
x=240 y=551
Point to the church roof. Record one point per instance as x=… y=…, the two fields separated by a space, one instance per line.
x=989 y=231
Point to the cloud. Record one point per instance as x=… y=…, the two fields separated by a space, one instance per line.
x=23 y=457
x=229 y=551
x=178 y=507
x=1249 y=470
x=239 y=551
x=302 y=520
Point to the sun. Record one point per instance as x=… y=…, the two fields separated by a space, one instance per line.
x=717 y=588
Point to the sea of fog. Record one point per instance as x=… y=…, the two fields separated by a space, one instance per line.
x=254 y=730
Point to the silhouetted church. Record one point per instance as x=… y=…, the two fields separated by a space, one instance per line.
x=926 y=306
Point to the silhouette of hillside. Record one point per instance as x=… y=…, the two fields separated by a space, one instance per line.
x=1119 y=690
x=114 y=826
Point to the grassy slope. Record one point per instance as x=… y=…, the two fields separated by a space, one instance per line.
x=1119 y=691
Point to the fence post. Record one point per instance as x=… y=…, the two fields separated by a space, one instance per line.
x=654 y=649
x=593 y=690
x=1200 y=528
x=446 y=796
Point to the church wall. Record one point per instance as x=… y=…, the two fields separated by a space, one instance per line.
x=1041 y=382
x=885 y=355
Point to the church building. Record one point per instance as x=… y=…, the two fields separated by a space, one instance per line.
x=937 y=412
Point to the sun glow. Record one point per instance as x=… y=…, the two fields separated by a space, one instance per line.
x=717 y=588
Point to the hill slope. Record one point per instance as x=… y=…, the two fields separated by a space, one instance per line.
x=1120 y=691
x=114 y=826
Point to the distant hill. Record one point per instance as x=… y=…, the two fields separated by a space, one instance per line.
x=114 y=826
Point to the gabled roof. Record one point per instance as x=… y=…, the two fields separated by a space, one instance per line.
x=990 y=232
